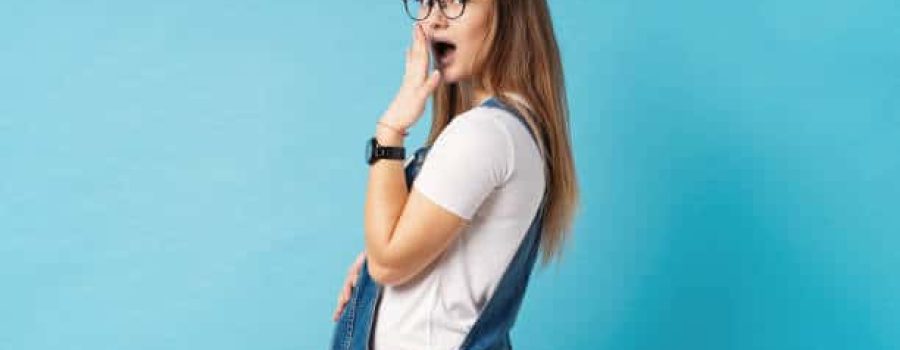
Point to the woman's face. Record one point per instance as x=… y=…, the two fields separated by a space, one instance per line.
x=456 y=42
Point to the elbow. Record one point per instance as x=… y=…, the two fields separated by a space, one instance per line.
x=385 y=275
x=381 y=267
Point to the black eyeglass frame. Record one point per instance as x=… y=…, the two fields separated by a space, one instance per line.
x=442 y=4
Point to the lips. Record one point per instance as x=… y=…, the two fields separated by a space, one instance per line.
x=443 y=50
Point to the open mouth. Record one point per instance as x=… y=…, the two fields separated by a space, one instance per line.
x=443 y=51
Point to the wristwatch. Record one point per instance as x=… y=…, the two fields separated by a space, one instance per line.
x=374 y=152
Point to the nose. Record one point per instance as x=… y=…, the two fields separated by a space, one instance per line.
x=435 y=21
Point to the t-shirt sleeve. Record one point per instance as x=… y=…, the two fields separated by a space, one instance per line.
x=470 y=158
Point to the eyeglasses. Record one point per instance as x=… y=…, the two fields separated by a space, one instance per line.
x=420 y=9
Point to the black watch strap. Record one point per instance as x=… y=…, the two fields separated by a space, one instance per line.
x=377 y=151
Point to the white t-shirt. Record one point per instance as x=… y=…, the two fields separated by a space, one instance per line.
x=485 y=168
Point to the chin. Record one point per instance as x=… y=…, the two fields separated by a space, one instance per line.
x=450 y=76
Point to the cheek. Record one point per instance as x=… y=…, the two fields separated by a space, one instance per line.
x=475 y=47
x=469 y=55
x=473 y=54
x=477 y=38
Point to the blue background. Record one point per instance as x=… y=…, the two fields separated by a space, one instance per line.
x=189 y=174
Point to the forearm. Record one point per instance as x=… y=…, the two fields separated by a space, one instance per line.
x=386 y=196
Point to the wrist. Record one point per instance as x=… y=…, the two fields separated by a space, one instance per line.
x=388 y=137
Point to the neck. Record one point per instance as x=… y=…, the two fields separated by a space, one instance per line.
x=479 y=95
x=475 y=92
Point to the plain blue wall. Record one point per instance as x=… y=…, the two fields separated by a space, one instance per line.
x=189 y=174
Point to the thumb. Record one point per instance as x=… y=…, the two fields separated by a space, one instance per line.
x=434 y=79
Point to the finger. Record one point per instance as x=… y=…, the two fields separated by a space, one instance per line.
x=409 y=68
x=357 y=265
x=352 y=277
x=421 y=42
x=418 y=63
x=339 y=308
x=344 y=297
x=424 y=52
x=410 y=54
x=342 y=300
x=337 y=313
x=349 y=286
x=434 y=79
x=347 y=283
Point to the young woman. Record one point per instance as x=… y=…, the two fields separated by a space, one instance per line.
x=499 y=167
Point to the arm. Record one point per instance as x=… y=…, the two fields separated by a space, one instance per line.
x=471 y=158
x=404 y=231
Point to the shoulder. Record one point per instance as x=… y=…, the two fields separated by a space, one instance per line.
x=480 y=121
x=480 y=129
x=476 y=140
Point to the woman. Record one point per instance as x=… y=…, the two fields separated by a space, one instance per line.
x=499 y=169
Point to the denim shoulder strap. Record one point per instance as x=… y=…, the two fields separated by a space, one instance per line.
x=494 y=103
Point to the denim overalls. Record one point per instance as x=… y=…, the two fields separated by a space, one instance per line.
x=353 y=330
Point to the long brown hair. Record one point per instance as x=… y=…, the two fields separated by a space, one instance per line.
x=522 y=57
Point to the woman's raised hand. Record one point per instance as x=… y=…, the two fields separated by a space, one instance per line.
x=417 y=85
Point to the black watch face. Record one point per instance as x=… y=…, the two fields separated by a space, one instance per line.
x=370 y=150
